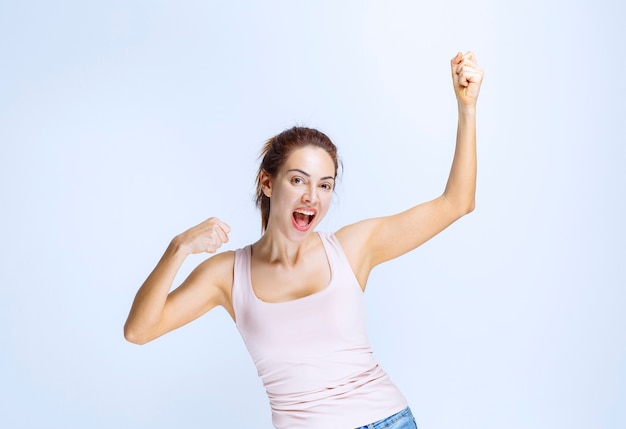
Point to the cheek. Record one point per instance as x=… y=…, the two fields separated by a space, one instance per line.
x=282 y=193
x=326 y=200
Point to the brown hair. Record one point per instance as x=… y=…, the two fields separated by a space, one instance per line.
x=275 y=153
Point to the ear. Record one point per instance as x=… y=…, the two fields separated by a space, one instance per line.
x=266 y=183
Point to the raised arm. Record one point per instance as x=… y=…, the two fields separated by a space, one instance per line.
x=373 y=241
x=156 y=310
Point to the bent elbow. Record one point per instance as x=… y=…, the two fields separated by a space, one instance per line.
x=133 y=337
x=470 y=207
x=462 y=209
x=459 y=206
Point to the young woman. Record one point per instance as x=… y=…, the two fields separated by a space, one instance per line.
x=296 y=295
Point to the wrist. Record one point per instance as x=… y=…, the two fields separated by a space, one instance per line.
x=178 y=247
x=467 y=109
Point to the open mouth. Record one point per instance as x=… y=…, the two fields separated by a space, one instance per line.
x=303 y=218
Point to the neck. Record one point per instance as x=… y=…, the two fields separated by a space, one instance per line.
x=275 y=248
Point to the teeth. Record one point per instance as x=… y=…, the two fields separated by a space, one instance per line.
x=306 y=212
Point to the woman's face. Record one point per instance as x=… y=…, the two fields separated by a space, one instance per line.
x=301 y=192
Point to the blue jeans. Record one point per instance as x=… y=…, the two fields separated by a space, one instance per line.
x=402 y=420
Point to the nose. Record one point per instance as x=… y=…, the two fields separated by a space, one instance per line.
x=310 y=196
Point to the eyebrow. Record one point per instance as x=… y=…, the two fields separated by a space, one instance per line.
x=308 y=175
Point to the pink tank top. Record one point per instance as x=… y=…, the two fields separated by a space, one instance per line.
x=312 y=353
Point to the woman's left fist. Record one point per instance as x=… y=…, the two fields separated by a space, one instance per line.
x=466 y=77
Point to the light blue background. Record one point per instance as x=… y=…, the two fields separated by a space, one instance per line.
x=123 y=123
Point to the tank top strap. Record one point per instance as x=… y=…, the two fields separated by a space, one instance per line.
x=337 y=259
x=242 y=287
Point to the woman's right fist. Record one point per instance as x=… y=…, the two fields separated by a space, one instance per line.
x=205 y=237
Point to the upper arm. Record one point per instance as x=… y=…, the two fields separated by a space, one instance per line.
x=374 y=241
x=208 y=285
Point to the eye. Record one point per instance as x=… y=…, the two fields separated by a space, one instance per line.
x=327 y=186
x=297 y=180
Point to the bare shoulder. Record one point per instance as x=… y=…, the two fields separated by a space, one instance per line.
x=354 y=240
x=355 y=236
x=208 y=285
x=219 y=269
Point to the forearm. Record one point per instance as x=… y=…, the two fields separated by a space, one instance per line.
x=461 y=187
x=147 y=309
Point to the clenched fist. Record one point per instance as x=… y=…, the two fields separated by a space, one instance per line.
x=466 y=77
x=205 y=237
